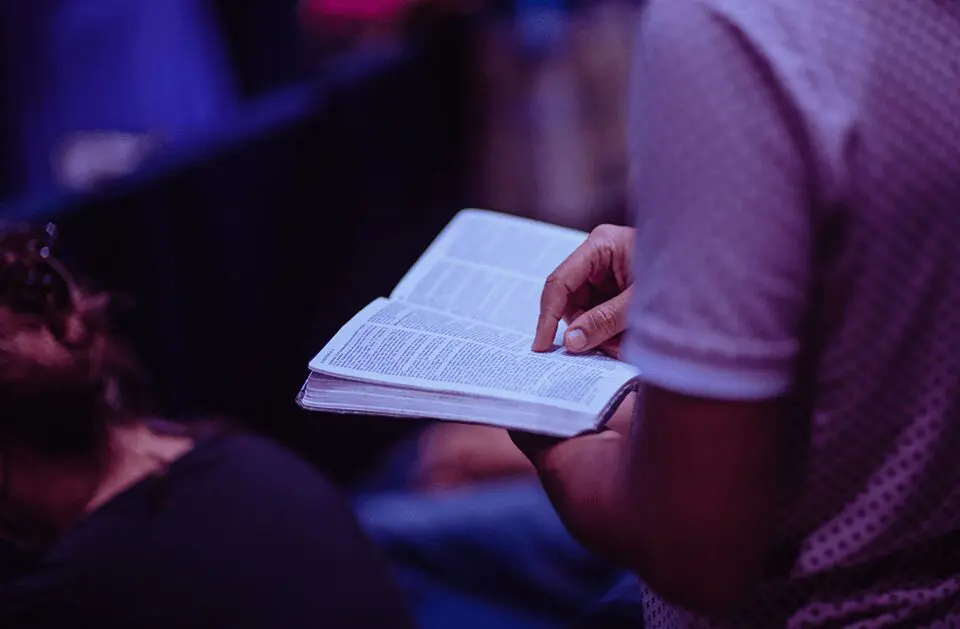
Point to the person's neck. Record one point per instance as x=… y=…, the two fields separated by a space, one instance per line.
x=136 y=453
x=47 y=498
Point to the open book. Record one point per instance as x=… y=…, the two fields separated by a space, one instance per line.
x=453 y=340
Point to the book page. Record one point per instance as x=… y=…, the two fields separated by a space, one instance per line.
x=489 y=267
x=333 y=394
x=405 y=345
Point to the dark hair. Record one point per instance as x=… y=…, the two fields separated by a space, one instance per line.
x=64 y=377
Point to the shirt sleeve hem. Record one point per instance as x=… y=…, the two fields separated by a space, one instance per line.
x=691 y=377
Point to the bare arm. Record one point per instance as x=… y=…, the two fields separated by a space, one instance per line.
x=687 y=501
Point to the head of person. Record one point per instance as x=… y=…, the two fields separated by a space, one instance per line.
x=65 y=384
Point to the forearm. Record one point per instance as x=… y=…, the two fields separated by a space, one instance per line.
x=585 y=480
x=688 y=503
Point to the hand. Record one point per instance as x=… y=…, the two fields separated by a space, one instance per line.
x=590 y=290
x=542 y=450
x=453 y=455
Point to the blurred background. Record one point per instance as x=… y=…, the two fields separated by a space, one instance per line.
x=249 y=173
x=244 y=175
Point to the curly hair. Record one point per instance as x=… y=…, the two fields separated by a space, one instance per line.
x=64 y=377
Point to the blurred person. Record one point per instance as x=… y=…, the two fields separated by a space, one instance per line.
x=140 y=522
x=549 y=85
x=453 y=455
x=794 y=315
x=551 y=91
x=474 y=540
x=108 y=70
x=337 y=25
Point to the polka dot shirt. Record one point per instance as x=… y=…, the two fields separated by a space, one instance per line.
x=797 y=183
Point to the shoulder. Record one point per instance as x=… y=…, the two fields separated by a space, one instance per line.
x=814 y=57
x=265 y=529
x=777 y=22
x=254 y=467
x=800 y=41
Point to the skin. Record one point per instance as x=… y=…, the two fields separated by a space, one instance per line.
x=43 y=499
x=454 y=455
x=687 y=497
x=590 y=291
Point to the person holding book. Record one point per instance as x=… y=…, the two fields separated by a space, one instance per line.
x=793 y=317
x=139 y=522
x=452 y=342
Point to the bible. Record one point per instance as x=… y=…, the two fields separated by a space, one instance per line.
x=453 y=340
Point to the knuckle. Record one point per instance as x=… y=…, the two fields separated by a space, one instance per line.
x=605 y=321
x=603 y=231
x=553 y=291
x=615 y=235
x=550 y=287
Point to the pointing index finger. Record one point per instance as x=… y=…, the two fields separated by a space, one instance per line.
x=572 y=273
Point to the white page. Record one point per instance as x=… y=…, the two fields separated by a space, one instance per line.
x=489 y=267
x=405 y=345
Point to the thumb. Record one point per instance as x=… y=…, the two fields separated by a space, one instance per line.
x=599 y=324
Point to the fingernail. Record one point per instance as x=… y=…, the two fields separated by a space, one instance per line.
x=576 y=340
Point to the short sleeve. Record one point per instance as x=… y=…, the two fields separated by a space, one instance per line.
x=723 y=210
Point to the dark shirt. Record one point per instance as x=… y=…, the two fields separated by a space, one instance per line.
x=238 y=534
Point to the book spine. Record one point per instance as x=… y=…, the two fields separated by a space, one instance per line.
x=632 y=385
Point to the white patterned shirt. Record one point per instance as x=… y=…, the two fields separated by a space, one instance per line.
x=798 y=201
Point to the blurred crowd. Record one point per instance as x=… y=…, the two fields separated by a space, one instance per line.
x=92 y=89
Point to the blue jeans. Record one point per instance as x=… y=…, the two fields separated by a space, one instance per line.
x=491 y=555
